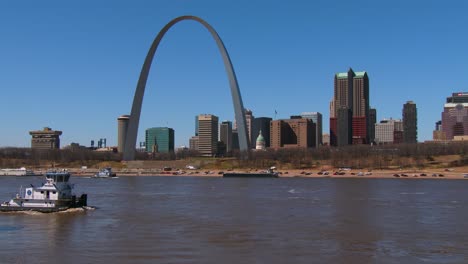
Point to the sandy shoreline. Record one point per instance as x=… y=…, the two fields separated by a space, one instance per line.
x=375 y=174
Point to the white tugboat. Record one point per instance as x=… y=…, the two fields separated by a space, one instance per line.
x=105 y=173
x=53 y=196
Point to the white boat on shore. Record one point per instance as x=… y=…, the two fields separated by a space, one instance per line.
x=17 y=172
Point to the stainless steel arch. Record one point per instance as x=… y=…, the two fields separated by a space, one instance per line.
x=130 y=141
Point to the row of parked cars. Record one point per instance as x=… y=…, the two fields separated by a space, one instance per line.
x=416 y=175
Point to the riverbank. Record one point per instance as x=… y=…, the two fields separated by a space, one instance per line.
x=457 y=173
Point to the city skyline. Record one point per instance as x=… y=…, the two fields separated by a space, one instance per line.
x=74 y=67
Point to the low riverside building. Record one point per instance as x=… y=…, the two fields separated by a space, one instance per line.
x=45 y=139
x=389 y=131
x=290 y=133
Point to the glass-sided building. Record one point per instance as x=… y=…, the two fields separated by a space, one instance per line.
x=159 y=139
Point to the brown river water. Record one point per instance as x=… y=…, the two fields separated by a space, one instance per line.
x=217 y=220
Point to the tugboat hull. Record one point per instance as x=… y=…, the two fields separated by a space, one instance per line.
x=33 y=209
x=58 y=207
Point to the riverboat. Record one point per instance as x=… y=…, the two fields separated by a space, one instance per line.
x=53 y=196
x=105 y=173
x=270 y=173
x=17 y=172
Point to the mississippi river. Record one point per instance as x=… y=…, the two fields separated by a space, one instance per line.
x=217 y=220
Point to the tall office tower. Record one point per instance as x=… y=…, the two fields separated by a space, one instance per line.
x=225 y=134
x=361 y=108
x=208 y=135
x=193 y=143
x=333 y=124
x=316 y=117
x=342 y=99
x=159 y=139
x=455 y=116
x=122 y=126
x=351 y=91
x=389 y=131
x=292 y=133
x=248 y=120
x=344 y=135
x=410 y=123
x=263 y=124
x=45 y=139
x=372 y=122
x=196 y=125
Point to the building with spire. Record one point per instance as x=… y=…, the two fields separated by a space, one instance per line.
x=159 y=140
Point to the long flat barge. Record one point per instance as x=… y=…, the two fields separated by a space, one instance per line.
x=266 y=174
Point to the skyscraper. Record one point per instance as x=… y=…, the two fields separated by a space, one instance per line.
x=263 y=124
x=196 y=125
x=122 y=126
x=351 y=91
x=410 y=126
x=208 y=135
x=455 y=116
x=316 y=117
x=372 y=122
x=159 y=139
x=225 y=134
x=360 y=108
x=344 y=134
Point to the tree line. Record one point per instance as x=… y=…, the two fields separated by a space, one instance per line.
x=353 y=156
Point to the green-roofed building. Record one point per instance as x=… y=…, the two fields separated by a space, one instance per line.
x=351 y=91
x=159 y=139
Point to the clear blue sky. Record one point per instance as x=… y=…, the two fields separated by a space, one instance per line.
x=73 y=65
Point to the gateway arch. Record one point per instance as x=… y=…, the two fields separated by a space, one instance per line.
x=132 y=130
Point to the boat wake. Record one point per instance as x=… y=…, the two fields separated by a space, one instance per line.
x=78 y=209
x=70 y=210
